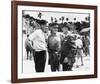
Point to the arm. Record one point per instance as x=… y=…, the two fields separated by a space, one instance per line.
x=32 y=36
x=48 y=43
x=31 y=39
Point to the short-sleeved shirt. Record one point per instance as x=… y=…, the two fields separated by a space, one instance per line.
x=38 y=38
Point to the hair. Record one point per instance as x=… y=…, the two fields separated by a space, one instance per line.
x=65 y=25
x=28 y=35
x=54 y=24
x=26 y=16
x=32 y=18
x=43 y=22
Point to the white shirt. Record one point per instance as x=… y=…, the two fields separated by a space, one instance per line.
x=68 y=34
x=38 y=38
x=79 y=43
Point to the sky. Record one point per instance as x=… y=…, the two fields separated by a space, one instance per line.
x=57 y=14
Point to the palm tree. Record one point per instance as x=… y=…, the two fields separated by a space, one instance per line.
x=40 y=15
x=87 y=18
x=62 y=18
x=67 y=19
x=51 y=19
x=59 y=19
x=74 y=19
x=56 y=20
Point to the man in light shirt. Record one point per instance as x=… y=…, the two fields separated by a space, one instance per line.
x=79 y=57
x=39 y=45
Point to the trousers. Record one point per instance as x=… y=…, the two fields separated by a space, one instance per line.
x=40 y=60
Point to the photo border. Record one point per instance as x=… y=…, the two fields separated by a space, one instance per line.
x=14 y=40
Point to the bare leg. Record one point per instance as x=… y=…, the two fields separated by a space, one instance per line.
x=27 y=54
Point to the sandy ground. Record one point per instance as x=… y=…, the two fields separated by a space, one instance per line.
x=28 y=65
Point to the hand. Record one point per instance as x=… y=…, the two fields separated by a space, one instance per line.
x=65 y=60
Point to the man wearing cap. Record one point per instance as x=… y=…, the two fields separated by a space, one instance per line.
x=54 y=45
x=67 y=50
x=39 y=45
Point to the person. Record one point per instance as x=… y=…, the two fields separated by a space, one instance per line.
x=67 y=50
x=39 y=45
x=26 y=23
x=54 y=45
x=87 y=45
x=28 y=47
x=79 y=57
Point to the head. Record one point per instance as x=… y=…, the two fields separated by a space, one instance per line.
x=65 y=29
x=26 y=17
x=27 y=35
x=54 y=28
x=70 y=38
x=32 y=22
x=36 y=24
x=43 y=25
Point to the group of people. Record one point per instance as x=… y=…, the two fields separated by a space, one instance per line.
x=64 y=48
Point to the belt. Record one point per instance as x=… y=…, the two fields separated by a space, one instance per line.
x=79 y=48
x=40 y=51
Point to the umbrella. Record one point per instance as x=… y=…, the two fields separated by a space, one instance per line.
x=85 y=30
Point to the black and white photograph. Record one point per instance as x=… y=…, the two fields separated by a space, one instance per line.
x=54 y=41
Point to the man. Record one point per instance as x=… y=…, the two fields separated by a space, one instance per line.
x=39 y=45
x=79 y=57
x=54 y=45
x=67 y=50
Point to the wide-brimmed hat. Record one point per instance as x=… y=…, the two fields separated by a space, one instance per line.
x=54 y=25
x=43 y=22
